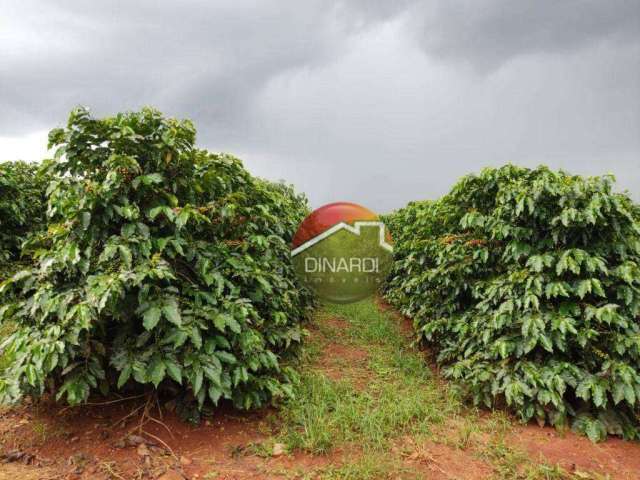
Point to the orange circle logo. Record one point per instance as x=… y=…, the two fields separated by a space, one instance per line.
x=342 y=251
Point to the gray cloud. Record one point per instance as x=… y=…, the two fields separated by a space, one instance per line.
x=488 y=33
x=198 y=58
x=371 y=101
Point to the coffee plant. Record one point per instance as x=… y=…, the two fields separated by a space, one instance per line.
x=22 y=211
x=527 y=283
x=163 y=267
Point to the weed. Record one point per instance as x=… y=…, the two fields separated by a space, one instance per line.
x=367 y=467
x=400 y=396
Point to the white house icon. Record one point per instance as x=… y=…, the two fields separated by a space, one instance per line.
x=345 y=226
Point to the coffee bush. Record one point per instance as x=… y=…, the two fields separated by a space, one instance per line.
x=164 y=267
x=22 y=211
x=527 y=284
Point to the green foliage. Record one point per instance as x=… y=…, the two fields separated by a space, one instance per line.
x=22 y=210
x=163 y=266
x=527 y=282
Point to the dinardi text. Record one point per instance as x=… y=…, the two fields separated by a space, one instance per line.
x=341 y=264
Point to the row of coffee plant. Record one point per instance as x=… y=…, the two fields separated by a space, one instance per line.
x=22 y=211
x=161 y=267
x=526 y=282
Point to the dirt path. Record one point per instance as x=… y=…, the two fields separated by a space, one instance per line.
x=366 y=407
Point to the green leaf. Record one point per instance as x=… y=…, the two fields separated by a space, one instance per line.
x=171 y=312
x=157 y=371
x=177 y=337
x=226 y=357
x=630 y=395
x=546 y=343
x=183 y=218
x=595 y=430
x=597 y=287
x=584 y=390
x=233 y=324
x=151 y=317
x=151 y=178
x=164 y=209
x=125 y=255
x=535 y=263
x=220 y=321
x=598 y=395
x=125 y=374
x=214 y=394
x=196 y=337
x=174 y=370
x=583 y=288
x=197 y=381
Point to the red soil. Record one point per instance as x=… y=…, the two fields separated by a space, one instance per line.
x=575 y=453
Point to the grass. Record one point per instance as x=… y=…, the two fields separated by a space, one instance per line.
x=367 y=467
x=380 y=408
x=400 y=396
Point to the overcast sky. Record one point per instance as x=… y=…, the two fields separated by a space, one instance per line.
x=377 y=102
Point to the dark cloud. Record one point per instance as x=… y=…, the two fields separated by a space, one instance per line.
x=197 y=58
x=363 y=100
x=488 y=33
